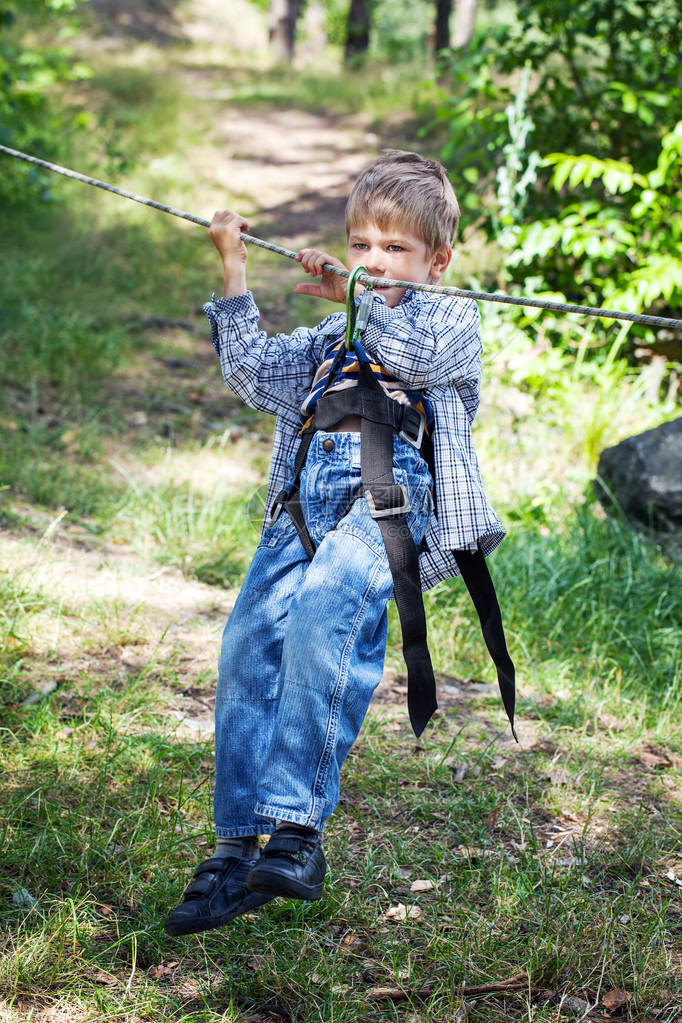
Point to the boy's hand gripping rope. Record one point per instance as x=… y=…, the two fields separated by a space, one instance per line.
x=363 y=277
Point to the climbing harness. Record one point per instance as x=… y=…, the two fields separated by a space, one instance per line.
x=381 y=417
x=439 y=289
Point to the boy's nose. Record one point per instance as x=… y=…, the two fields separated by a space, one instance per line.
x=375 y=264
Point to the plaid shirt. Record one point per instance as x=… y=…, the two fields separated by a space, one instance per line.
x=430 y=342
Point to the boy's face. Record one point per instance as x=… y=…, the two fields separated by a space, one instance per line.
x=395 y=254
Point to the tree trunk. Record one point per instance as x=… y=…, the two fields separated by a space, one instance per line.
x=465 y=16
x=283 y=17
x=357 y=29
x=441 y=39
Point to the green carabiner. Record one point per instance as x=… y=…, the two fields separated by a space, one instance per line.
x=350 y=304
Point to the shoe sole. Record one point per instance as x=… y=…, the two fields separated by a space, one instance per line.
x=273 y=884
x=251 y=902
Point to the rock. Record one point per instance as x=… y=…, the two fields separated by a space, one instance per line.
x=572 y=1006
x=643 y=477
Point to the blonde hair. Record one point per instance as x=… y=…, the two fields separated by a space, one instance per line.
x=407 y=189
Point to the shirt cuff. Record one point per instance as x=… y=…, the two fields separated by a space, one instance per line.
x=223 y=313
x=236 y=304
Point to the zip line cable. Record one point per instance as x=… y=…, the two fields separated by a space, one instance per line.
x=479 y=296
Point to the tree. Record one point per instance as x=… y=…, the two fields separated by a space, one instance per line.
x=605 y=82
x=441 y=39
x=357 y=30
x=282 y=30
x=465 y=18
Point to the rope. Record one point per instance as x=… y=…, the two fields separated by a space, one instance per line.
x=439 y=289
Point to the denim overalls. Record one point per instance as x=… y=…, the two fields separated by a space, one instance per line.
x=303 y=649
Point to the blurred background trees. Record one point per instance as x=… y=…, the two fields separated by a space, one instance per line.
x=559 y=122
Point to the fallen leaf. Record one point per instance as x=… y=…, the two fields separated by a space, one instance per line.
x=616 y=999
x=422 y=886
x=491 y=819
x=156 y=972
x=24 y=898
x=559 y=777
x=653 y=760
x=100 y=977
x=459 y=772
x=402 y=913
x=189 y=988
x=472 y=853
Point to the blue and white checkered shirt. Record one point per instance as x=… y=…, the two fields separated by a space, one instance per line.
x=432 y=343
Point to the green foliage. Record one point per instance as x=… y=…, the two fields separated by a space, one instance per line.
x=32 y=117
x=605 y=81
x=618 y=244
x=564 y=129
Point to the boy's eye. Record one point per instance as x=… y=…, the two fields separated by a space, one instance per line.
x=395 y=248
x=360 y=245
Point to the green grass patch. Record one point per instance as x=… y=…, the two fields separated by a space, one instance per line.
x=591 y=596
x=104 y=813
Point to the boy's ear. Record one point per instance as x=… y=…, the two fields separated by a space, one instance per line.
x=440 y=261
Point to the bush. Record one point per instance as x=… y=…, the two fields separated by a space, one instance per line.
x=605 y=82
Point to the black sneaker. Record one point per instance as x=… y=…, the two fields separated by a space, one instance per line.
x=216 y=895
x=292 y=865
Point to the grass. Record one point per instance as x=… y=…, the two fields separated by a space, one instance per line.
x=132 y=485
x=536 y=867
x=554 y=860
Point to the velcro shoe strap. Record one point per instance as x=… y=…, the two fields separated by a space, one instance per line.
x=279 y=844
x=213 y=865
x=200 y=887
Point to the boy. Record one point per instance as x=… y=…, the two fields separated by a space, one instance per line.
x=303 y=649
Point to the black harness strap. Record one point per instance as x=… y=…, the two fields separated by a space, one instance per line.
x=368 y=404
x=331 y=409
x=479 y=583
x=386 y=499
x=388 y=503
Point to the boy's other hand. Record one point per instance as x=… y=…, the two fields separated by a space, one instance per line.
x=225 y=233
x=331 y=287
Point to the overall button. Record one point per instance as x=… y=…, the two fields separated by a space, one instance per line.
x=328 y=444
